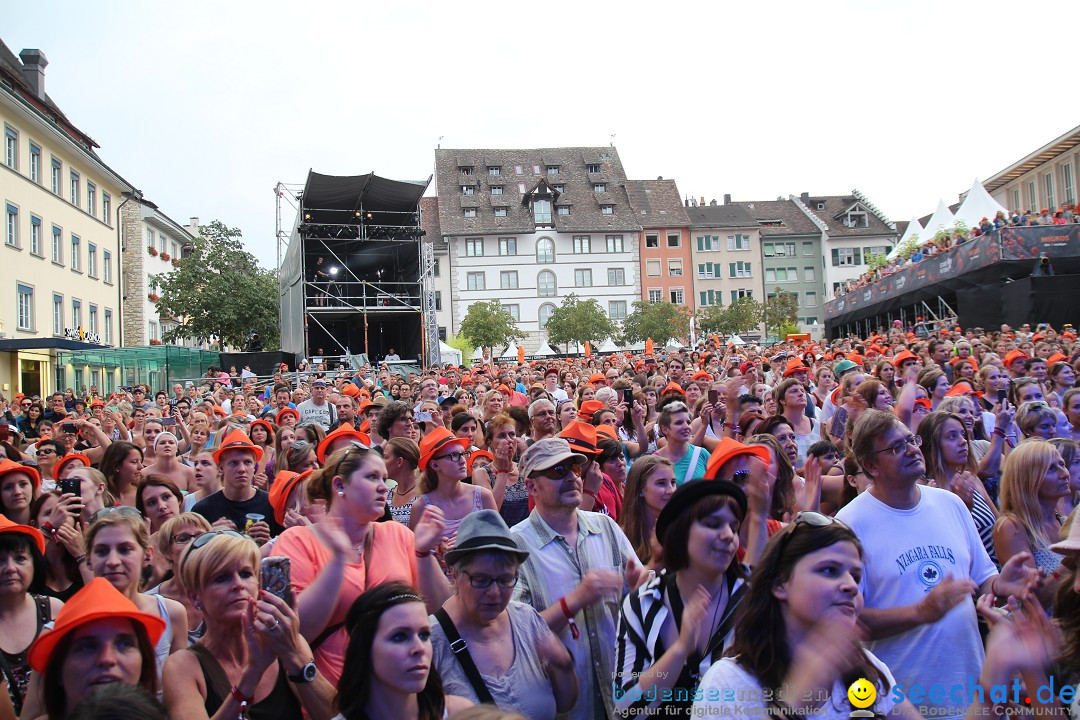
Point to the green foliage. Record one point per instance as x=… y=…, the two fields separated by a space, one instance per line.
x=659 y=321
x=740 y=316
x=579 y=321
x=876 y=261
x=220 y=291
x=488 y=325
x=780 y=310
x=460 y=342
x=788 y=329
x=907 y=248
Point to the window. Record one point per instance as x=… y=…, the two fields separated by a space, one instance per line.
x=11 y=147
x=508 y=246
x=846 y=256
x=468 y=190
x=93 y=320
x=438 y=300
x=466 y=171
x=1066 y=185
x=1048 y=181
x=1033 y=202
x=108 y=326
x=738 y=242
x=57 y=314
x=76 y=313
x=614 y=243
x=476 y=281
x=442 y=333
x=469 y=212
x=558 y=187
x=474 y=247
x=175 y=250
x=563 y=210
x=674 y=240
x=652 y=268
x=582 y=277
x=500 y=212
x=75 y=188
x=740 y=269
x=674 y=268
x=163 y=242
x=607 y=209
x=76 y=253
x=856 y=219
x=546 y=311
x=770 y=275
x=808 y=274
x=582 y=244
x=508 y=280
x=545 y=284
x=35 y=235
x=869 y=252
x=616 y=276
x=25 y=307
x=149 y=238
x=707 y=243
x=676 y=296
x=154 y=330
x=779 y=249
x=710 y=297
x=652 y=240
x=57 y=246
x=515 y=312
x=705 y=271
x=91 y=260
x=542 y=211
x=616 y=309
x=656 y=295
x=741 y=293
x=599 y=187
x=494 y=171
x=594 y=168
x=545 y=250
x=808 y=249
x=91 y=198
x=496 y=189
x=1016 y=199
x=35 y=163
x=11 y=235
x=106 y=264
x=56 y=174
x=517 y=169
x=106 y=208
x=521 y=187
x=811 y=299
x=552 y=169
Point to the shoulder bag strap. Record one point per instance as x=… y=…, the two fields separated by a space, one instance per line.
x=215 y=674
x=461 y=651
x=692 y=467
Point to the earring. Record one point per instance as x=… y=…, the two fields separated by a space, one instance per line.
x=341 y=493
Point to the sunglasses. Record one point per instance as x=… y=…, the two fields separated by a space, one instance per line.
x=558 y=472
x=125 y=510
x=185 y=538
x=201 y=540
x=810 y=518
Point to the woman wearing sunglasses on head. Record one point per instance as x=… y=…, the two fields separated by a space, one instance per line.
x=172 y=540
x=252 y=662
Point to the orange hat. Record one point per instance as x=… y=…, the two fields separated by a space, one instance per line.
x=268 y=426
x=237 y=440
x=505 y=390
x=284 y=482
x=477 y=455
x=7 y=526
x=903 y=356
x=960 y=388
x=589 y=408
x=466 y=378
x=795 y=365
x=218 y=410
x=728 y=449
x=364 y=405
x=597 y=377
x=98 y=600
x=63 y=462
x=1056 y=358
x=1037 y=337
x=701 y=375
x=10 y=466
x=606 y=432
x=925 y=402
x=345 y=430
x=438 y=439
x=857 y=359
x=582 y=437
x=1012 y=357
x=351 y=390
x=97 y=402
x=364 y=427
x=286 y=411
x=672 y=387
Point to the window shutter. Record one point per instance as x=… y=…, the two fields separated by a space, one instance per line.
x=858 y=256
x=835 y=257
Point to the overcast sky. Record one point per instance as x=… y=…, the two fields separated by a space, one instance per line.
x=204 y=106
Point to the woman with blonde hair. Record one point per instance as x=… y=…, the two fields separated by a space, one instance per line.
x=1070 y=453
x=173 y=539
x=649 y=486
x=1037 y=420
x=493 y=404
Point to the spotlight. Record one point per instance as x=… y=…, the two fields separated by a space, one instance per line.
x=307 y=216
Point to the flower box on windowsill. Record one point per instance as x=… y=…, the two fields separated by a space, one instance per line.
x=153 y=297
x=152 y=251
x=155 y=342
x=176 y=262
x=166 y=257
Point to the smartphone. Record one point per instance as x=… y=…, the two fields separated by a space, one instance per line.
x=5 y=432
x=275 y=578
x=628 y=396
x=423 y=417
x=714 y=397
x=70 y=428
x=168 y=421
x=1001 y=395
x=70 y=485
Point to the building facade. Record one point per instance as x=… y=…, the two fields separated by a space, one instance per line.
x=1044 y=179
x=531 y=226
x=725 y=254
x=60 y=283
x=664 y=242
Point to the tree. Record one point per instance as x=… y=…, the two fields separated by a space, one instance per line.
x=488 y=325
x=656 y=320
x=579 y=321
x=780 y=310
x=458 y=342
x=219 y=291
x=740 y=316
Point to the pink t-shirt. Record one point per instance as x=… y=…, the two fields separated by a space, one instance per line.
x=393 y=558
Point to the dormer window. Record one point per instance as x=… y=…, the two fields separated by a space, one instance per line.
x=494 y=171
x=552 y=169
x=563 y=210
x=468 y=190
x=470 y=212
x=599 y=187
x=821 y=206
x=466 y=170
x=607 y=209
x=542 y=211
x=496 y=189
x=856 y=219
x=558 y=187
x=594 y=168
x=605 y=156
x=500 y=212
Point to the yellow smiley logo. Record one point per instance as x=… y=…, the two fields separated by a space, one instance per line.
x=862 y=693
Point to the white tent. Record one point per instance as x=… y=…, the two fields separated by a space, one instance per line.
x=478 y=354
x=978 y=205
x=510 y=353
x=545 y=351
x=608 y=346
x=735 y=340
x=942 y=219
x=448 y=354
x=674 y=344
x=914 y=228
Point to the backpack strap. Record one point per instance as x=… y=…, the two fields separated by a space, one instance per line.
x=461 y=651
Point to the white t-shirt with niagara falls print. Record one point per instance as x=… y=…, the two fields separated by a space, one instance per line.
x=906 y=554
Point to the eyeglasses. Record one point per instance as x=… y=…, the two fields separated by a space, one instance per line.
x=483 y=582
x=185 y=538
x=901 y=445
x=558 y=472
x=207 y=537
x=452 y=456
x=125 y=510
x=46 y=451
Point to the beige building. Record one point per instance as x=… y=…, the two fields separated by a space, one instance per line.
x=1044 y=179
x=59 y=266
x=725 y=254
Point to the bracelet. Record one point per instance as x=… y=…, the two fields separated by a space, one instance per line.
x=590 y=493
x=428 y=553
x=79 y=560
x=999 y=432
x=239 y=697
x=993 y=586
x=569 y=618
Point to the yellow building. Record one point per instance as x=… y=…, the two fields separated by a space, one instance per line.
x=60 y=284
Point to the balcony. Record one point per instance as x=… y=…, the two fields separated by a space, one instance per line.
x=351 y=296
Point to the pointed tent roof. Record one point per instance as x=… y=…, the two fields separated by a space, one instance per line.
x=673 y=344
x=545 y=351
x=978 y=205
x=735 y=340
x=914 y=228
x=942 y=219
x=478 y=354
x=608 y=347
x=510 y=353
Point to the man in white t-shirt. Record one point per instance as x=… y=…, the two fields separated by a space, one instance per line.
x=922 y=563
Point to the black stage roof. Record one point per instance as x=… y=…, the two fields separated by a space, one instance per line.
x=336 y=198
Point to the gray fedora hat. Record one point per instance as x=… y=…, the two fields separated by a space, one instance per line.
x=484 y=530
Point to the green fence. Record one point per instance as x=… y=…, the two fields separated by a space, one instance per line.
x=156 y=366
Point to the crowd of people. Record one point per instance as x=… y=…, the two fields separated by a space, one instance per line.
x=947 y=240
x=726 y=530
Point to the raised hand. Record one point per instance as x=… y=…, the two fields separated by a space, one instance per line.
x=695 y=631
x=429 y=529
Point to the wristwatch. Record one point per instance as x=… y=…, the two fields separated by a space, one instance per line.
x=307 y=673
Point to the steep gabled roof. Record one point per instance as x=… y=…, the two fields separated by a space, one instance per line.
x=780 y=217
x=657 y=203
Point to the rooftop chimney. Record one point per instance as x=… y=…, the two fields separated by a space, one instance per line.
x=727 y=198
x=713 y=202
x=703 y=201
x=804 y=196
x=34 y=63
